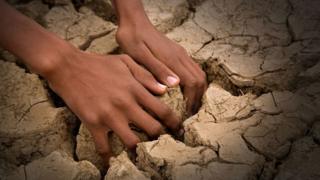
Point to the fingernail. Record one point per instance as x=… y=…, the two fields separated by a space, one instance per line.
x=172 y=80
x=162 y=87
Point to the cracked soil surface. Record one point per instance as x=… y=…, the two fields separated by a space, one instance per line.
x=259 y=118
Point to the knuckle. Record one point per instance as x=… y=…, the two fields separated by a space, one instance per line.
x=182 y=50
x=141 y=73
x=162 y=69
x=92 y=118
x=125 y=57
x=119 y=101
x=106 y=113
x=163 y=72
x=119 y=38
x=105 y=109
x=121 y=35
x=202 y=80
x=203 y=75
x=196 y=82
x=132 y=87
x=193 y=82
x=124 y=36
x=148 y=75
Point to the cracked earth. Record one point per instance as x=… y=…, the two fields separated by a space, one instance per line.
x=259 y=118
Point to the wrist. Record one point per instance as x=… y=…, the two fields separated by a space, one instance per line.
x=51 y=61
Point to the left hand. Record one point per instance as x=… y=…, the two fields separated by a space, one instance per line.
x=165 y=59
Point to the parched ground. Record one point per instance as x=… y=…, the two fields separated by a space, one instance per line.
x=260 y=117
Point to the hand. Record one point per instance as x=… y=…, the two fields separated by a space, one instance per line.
x=165 y=59
x=107 y=93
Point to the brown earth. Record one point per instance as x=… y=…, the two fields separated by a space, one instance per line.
x=259 y=117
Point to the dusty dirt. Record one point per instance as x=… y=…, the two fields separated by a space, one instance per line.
x=259 y=118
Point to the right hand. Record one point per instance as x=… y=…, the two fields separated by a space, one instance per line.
x=107 y=93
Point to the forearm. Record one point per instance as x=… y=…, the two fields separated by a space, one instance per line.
x=38 y=48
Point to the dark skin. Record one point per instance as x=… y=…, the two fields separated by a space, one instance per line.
x=161 y=56
x=109 y=92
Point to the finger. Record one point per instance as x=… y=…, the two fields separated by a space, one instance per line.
x=188 y=73
x=193 y=93
x=203 y=78
x=201 y=73
x=188 y=82
x=101 y=142
x=158 y=69
x=146 y=122
x=161 y=110
x=122 y=129
x=191 y=97
x=144 y=77
x=195 y=87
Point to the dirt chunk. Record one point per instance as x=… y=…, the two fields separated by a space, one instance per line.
x=266 y=104
x=104 y=45
x=102 y=8
x=175 y=100
x=218 y=127
x=223 y=106
x=302 y=162
x=272 y=137
x=30 y=126
x=166 y=14
x=252 y=18
x=225 y=138
x=79 y=28
x=265 y=131
x=34 y=9
x=301 y=21
x=274 y=134
x=246 y=65
x=316 y=132
x=190 y=36
x=57 y=2
x=122 y=168
x=170 y=159
x=56 y=166
x=313 y=91
x=7 y=56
